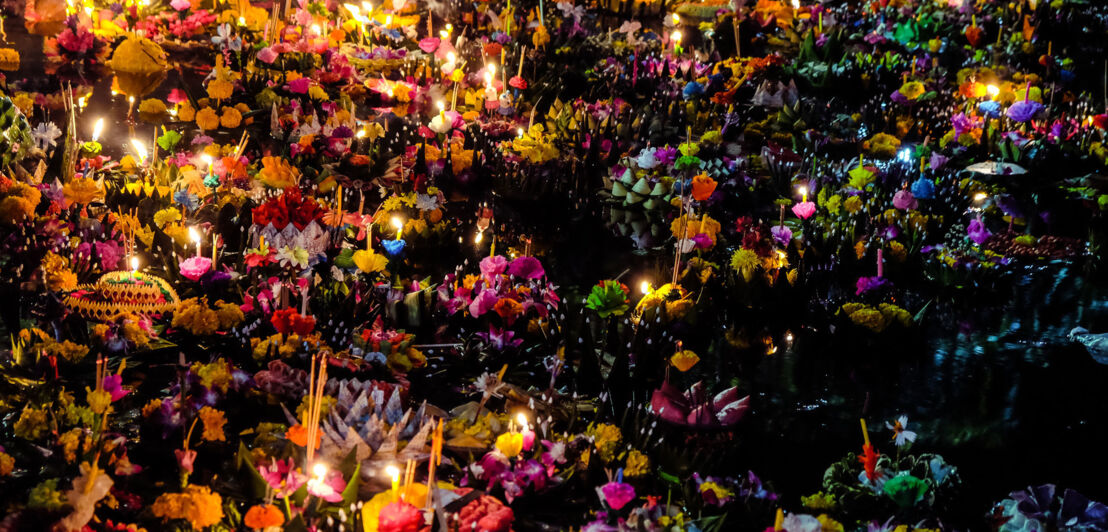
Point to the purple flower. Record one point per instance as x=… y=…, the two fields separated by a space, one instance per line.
x=904 y=201
x=500 y=339
x=869 y=284
x=1023 y=111
x=897 y=97
x=782 y=234
x=526 y=267
x=937 y=160
x=483 y=303
x=963 y=124
x=617 y=494
x=977 y=231
x=702 y=241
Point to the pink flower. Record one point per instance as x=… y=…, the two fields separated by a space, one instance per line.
x=429 y=44
x=77 y=43
x=483 y=302
x=328 y=488
x=299 y=86
x=194 y=268
x=180 y=5
x=804 y=209
x=267 y=54
x=493 y=266
x=526 y=267
x=282 y=477
x=904 y=200
x=185 y=459
x=176 y=96
x=617 y=494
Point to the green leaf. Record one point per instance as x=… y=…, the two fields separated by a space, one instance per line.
x=169 y=139
x=669 y=478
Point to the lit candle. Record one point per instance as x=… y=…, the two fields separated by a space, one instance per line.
x=97 y=129
x=194 y=235
x=804 y=194
x=134 y=266
x=140 y=150
x=442 y=112
x=645 y=287
x=399 y=225
x=528 y=434
x=394 y=474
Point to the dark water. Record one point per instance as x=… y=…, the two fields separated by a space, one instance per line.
x=991 y=381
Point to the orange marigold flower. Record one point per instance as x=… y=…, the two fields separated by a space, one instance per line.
x=264 y=516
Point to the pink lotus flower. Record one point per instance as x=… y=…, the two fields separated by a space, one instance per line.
x=328 y=488
x=429 y=44
x=804 y=209
x=180 y=5
x=195 y=267
x=617 y=494
x=282 y=477
x=176 y=96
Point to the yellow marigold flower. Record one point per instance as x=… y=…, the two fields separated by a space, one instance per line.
x=637 y=465
x=897 y=252
x=152 y=106
x=912 y=90
x=819 y=501
x=684 y=360
x=7 y=463
x=197 y=504
x=69 y=442
x=853 y=204
x=829 y=525
x=277 y=173
x=231 y=118
x=207 y=119
x=216 y=375
x=745 y=261
x=82 y=191
x=220 y=89
x=152 y=407
x=229 y=314
x=185 y=111
x=31 y=424
x=882 y=145
x=606 y=438
x=213 y=424
x=370 y=262
x=15 y=209
x=792 y=275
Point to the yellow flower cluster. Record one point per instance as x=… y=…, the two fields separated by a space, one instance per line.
x=277 y=173
x=31 y=424
x=214 y=376
x=882 y=145
x=20 y=203
x=194 y=315
x=877 y=318
x=282 y=347
x=197 y=504
x=534 y=146
x=637 y=465
x=7 y=463
x=213 y=424
x=819 y=501
x=606 y=438
x=745 y=261
x=701 y=225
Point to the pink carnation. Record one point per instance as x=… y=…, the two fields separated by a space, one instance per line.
x=194 y=268
x=804 y=210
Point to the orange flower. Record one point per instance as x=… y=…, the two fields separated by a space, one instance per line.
x=508 y=308
x=702 y=187
x=264 y=516
x=277 y=173
x=298 y=434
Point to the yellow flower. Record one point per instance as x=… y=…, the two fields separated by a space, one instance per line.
x=165 y=216
x=853 y=204
x=510 y=444
x=14 y=209
x=819 y=501
x=277 y=173
x=197 y=504
x=720 y=491
x=912 y=90
x=31 y=424
x=82 y=190
x=24 y=102
x=370 y=262
x=213 y=424
x=229 y=314
x=606 y=438
x=7 y=463
x=882 y=145
x=214 y=376
x=152 y=407
x=98 y=400
x=745 y=262
x=638 y=464
x=231 y=118
x=152 y=106
x=829 y=525
x=207 y=119
x=220 y=89
x=684 y=360
x=186 y=112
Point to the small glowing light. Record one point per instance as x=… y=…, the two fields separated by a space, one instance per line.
x=368 y=7
x=353 y=9
x=97 y=129
x=980 y=196
x=520 y=132
x=316 y=29
x=521 y=418
x=449 y=28
x=131 y=99
x=115 y=92
x=480 y=236
x=397 y=223
x=450 y=57
x=361 y=133
x=444 y=35
x=803 y=191
x=242 y=21
x=440 y=105
x=788 y=336
x=320 y=470
x=134 y=264
x=88 y=11
x=796 y=4
x=992 y=90
x=194 y=235
x=207 y=160
x=388 y=20
x=140 y=149
x=676 y=19
x=676 y=36
x=644 y=287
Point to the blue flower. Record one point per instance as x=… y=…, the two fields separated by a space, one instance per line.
x=393 y=247
x=692 y=90
x=989 y=108
x=190 y=201
x=923 y=188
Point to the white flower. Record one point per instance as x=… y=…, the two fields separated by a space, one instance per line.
x=297 y=257
x=901 y=434
x=46 y=133
x=426 y=202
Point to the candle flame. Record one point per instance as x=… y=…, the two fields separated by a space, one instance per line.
x=480 y=236
x=993 y=90
x=97 y=129
x=134 y=263
x=521 y=418
x=207 y=159
x=140 y=149
x=393 y=472
x=353 y=9
x=194 y=235
x=676 y=36
x=320 y=470
x=397 y=222
x=645 y=287
x=980 y=196
x=242 y=21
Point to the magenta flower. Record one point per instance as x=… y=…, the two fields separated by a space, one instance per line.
x=493 y=266
x=195 y=267
x=617 y=494
x=282 y=477
x=176 y=96
x=267 y=55
x=869 y=284
x=804 y=209
x=483 y=303
x=526 y=267
x=904 y=200
x=499 y=339
x=113 y=384
x=963 y=124
x=328 y=488
x=429 y=44
x=180 y=5
x=299 y=86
